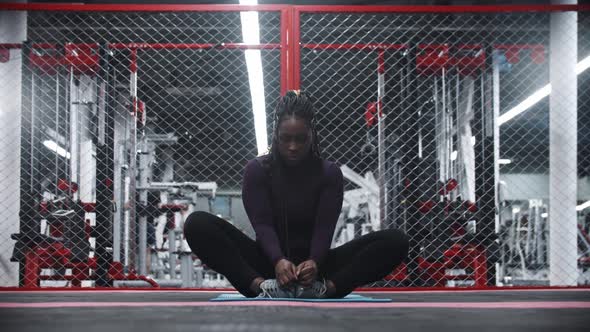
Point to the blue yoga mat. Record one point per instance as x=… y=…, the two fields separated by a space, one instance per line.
x=348 y=298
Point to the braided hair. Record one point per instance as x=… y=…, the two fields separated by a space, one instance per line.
x=297 y=104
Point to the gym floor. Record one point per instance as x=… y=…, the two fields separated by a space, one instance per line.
x=142 y=310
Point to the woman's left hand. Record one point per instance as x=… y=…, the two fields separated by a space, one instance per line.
x=307 y=272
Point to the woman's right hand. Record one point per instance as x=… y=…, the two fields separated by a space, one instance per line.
x=285 y=272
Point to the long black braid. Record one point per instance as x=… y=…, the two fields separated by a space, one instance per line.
x=297 y=104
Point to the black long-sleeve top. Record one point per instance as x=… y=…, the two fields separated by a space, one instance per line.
x=294 y=211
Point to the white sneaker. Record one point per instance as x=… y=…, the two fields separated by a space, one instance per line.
x=271 y=290
x=317 y=290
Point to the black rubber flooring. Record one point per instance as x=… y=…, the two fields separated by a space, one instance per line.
x=558 y=310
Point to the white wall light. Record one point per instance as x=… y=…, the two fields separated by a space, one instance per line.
x=251 y=36
x=51 y=145
x=538 y=95
x=583 y=206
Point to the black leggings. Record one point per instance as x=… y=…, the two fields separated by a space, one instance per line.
x=227 y=250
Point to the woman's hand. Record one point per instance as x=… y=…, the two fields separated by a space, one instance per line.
x=307 y=272
x=286 y=272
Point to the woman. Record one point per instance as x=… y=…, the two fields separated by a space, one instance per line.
x=293 y=199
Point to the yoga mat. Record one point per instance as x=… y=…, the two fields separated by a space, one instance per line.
x=348 y=298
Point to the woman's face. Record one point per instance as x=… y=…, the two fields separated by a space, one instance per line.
x=294 y=139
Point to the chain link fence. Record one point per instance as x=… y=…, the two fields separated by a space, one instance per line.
x=117 y=125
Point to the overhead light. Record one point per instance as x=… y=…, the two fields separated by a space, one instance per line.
x=583 y=206
x=583 y=65
x=51 y=145
x=251 y=36
x=526 y=104
x=538 y=95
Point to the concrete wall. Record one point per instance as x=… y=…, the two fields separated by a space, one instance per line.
x=12 y=30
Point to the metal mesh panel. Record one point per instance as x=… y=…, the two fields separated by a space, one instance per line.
x=134 y=27
x=103 y=165
x=130 y=122
x=433 y=157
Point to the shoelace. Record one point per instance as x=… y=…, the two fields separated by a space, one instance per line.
x=320 y=288
x=267 y=291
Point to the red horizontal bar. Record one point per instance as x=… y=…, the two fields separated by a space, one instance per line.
x=156 y=46
x=441 y=9
x=306 y=9
x=137 y=7
x=172 y=46
x=10 y=46
x=374 y=46
x=46 y=45
x=270 y=46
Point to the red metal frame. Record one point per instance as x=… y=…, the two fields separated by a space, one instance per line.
x=307 y=9
x=296 y=50
x=191 y=46
x=441 y=9
x=285 y=69
x=138 y=7
x=158 y=46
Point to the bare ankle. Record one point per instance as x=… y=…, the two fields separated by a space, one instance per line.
x=255 y=285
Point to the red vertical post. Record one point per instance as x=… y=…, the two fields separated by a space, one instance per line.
x=76 y=282
x=285 y=68
x=31 y=269
x=480 y=267
x=296 y=49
